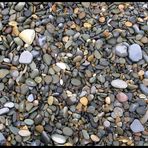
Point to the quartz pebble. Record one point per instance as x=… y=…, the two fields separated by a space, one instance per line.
x=136 y=126
x=4 y=110
x=25 y=57
x=58 y=138
x=27 y=36
x=9 y=104
x=119 y=83
x=30 y=98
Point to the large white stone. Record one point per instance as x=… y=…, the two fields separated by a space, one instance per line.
x=27 y=36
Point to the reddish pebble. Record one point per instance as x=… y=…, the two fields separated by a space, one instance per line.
x=121 y=97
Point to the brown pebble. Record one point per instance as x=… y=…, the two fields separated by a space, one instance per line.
x=102 y=19
x=82 y=15
x=84 y=101
x=128 y=24
x=39 y=128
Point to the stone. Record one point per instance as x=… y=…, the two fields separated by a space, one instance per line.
x=39 y=128
x=30 y=82
x=144 y=119
x=84 y=101
x=47 y=59
x=85 y=134
x=133 y=107
x=30 y=98
x=58 y=138
x=4 y=110
x=106 y=123
x=27 y=36
x=135 y=52
x=38 y=119
x=25 y=57
x=61 y=65
x=121 y=50
x=24 y=133
x=2 y=139
x=119 y=84
x=67 y=131
x=121 y=97
x=95 y=138
x=3 y=73
x=107 y=100
x=9 y=104
x=144 y=89
x=50 y=100
x=29 y=121
x=146 y=74
x=75 y=82
x=1 y=86
x=136 y=126
x=45 y=138
x=118 y=111
x=19 y=6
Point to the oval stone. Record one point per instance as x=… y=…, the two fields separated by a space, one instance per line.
x=119 y=83
x=121 y=97
x=58 y=138
x=24 y=133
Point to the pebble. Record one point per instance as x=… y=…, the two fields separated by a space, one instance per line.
x=30 y=98
x=58 y=138
x=2 y=139
x=29 y=121
x=121 y=97
x=61 y=65
x=119 y=83
x=95 y=138
x=133 y=107
x=121 y=50
x=75 y=82
x=25 y=57
x=39 y=128
x=4 y=110
x=144 y=89
x=9 y=104
x=3 y=73
x=67 y=131
x=135 y=52
x=144 y=119
x=45 y=138
x=84 y=101
x=47 y=59
x=27 y=36
x=106 y=123
x=1 y=86
x=50 y=100
x=118 y=111
x=24 y=133
x=85 y=134
x=136 y=126
x=146 y=74
x=30 y=82
x=19 y=6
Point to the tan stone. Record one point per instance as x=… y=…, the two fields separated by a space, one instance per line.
x=50 y=100
x=39 y=128
x=84 y=101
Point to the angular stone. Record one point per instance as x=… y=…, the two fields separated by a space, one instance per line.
x=136 y=126
x=25 y=57
x=27 y=36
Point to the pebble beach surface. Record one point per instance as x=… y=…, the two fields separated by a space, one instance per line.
x=74 y=73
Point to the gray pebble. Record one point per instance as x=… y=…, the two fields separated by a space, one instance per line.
x=58 y=138
x=135 y=52
x=146 y=74
x=30 y=82
x=45 y=138
x=133 y=107
x=19 y=6
x=2 y=139
x=1 y=86
x=144 y=89
x=47 y=59
x=4 y=110
x=75 y=82
x=67 y=131
x=29 y=121
x=119 y=83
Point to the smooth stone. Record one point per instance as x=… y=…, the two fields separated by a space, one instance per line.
x=61 y=65
x=98 y=44
x=95 y=138
x=3 y=73
x=25 y=57
x=2 y=139
x=135 y=52
x=47 y=59
x=136 y=126
x=118 y=111
x=97 y=54
x=121 y=97
x=30 y=98
x=145 y=82
x=30 y=82
x=75 y=82
x=14 y=130
x=20 y=6
x=119 y=83
x=38 y=119
x=42 y=40
x=50 y=100
x=9 y=104
x=39 y=128
x=141 y=110
x=67 y=131
x=121 y=50
x=144 y=89
x=58 y=138
x=1 y=26
x=45 y=138
x=146 y=74
x=18 y=41
x=144 y=119
x=4 y=110
x=85 y=134
x=29 y=121
x=101 y=78
x=24 y=133
x=68 y=44
x=106 y=123
x=1 y=86
x=133 y=107
x=24 y=89
x=77 y=59
x=27 y=13
x=27 y=36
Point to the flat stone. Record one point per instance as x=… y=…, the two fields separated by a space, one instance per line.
x=61 y=65
x=2 y=139
x=77 y=59
x=95 y=138
x=24 y=133
x=3 y=73
x=135 y=52
x=106 y=123
x=27 y=36
x=136 y=126
x=9 y=104
x=121 y=50
x=67 y=131
x=29 y=121
x=38 y=119
x=1 y=86
x=144 y=89
x=4 y=110
x=121 y=97
x=50 y=100
x=45 y=138
x=146 y=74
x=119 y=83
x=75 y=82
x=25 y=57
x=58 y=138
